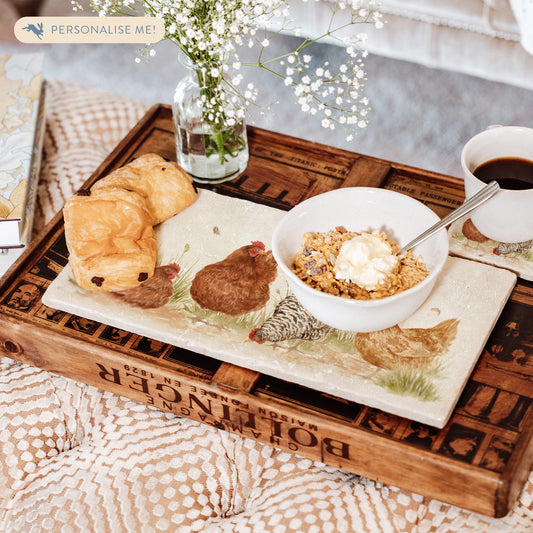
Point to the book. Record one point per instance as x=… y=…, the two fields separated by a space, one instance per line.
x=21 y=137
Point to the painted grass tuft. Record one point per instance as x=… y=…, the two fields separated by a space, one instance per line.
x=408 y=382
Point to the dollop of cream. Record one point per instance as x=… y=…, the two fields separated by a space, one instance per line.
x=365 y=260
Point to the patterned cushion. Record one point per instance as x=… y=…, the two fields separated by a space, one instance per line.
x=77 y=459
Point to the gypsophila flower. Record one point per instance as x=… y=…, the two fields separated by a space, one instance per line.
x=210 y=32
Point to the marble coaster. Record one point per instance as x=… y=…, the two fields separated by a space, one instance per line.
x=415 y=370
x=467 y=242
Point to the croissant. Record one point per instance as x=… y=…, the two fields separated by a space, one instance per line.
x=165 y=187
x=109 y=229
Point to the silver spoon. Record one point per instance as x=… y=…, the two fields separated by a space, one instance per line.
x=479 y=198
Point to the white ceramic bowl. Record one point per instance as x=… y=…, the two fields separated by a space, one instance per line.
x=361 y=209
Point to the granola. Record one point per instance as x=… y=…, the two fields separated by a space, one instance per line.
x=315 y=265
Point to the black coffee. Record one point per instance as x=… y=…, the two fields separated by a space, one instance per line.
x=510 y=172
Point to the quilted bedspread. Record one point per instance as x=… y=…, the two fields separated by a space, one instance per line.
x=77 y=459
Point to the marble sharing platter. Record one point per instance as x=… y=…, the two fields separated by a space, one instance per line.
x=415 y=370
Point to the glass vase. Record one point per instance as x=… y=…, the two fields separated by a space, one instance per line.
x=209 y=149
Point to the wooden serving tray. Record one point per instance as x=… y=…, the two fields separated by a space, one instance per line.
x=478 y=461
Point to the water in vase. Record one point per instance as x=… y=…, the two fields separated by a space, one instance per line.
x=212 y=158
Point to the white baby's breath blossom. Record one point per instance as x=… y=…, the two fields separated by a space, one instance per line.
x=210 y=32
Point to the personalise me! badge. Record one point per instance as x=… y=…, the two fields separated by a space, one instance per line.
x=147 y=30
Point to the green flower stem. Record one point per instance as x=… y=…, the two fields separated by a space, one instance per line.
x=225 y=141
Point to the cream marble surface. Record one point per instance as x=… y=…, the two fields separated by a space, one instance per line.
x=468 y=294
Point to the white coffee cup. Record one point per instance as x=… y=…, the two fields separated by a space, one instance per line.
x=508 y=215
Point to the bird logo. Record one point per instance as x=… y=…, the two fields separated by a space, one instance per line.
x=37 y=30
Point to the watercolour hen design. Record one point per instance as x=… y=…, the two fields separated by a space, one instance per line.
x=238 y=284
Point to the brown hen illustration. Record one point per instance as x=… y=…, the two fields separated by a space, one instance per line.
x=153 y=292
x=238 y=284
x=413 y=347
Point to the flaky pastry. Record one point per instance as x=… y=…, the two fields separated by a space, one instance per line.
x=109 y=229
x=111 y=241
x=166 y=188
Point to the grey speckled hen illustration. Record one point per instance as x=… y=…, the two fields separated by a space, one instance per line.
x=290 y=321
